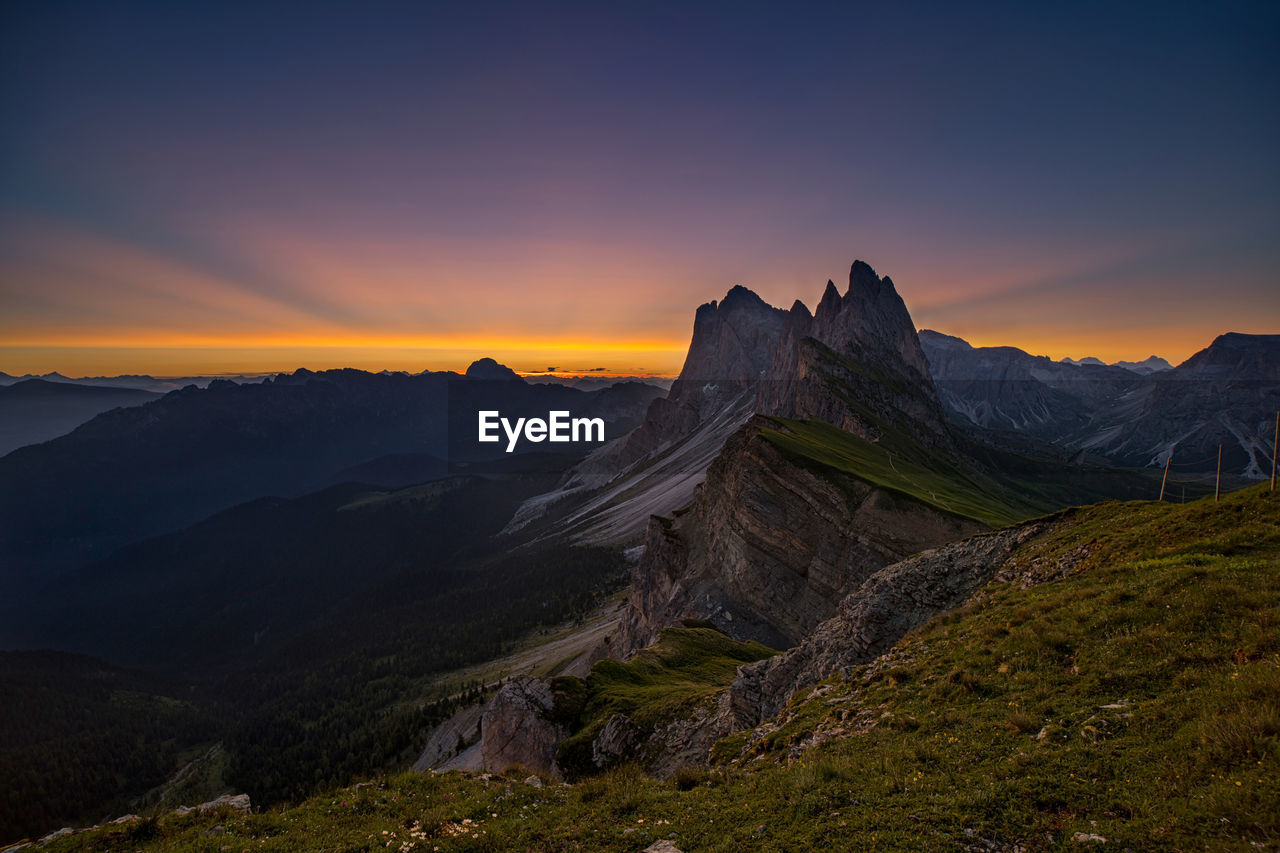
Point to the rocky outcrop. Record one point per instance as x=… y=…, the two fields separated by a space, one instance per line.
x=616 y=740
x=517 y=730
x=239 y=802
x=865 y=627
x=869 y=621
x=731 y=350
x=768 y=546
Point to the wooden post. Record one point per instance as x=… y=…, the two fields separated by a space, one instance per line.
x=1165 y=478
x=1217 y=483
x=1275 y=446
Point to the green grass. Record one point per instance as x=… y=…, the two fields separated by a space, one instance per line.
x=1170 y=613
x=904 y=467
x=687 y=666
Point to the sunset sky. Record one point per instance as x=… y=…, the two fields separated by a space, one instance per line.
x=222 y=187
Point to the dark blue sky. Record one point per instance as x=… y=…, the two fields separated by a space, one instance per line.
x=237 y=182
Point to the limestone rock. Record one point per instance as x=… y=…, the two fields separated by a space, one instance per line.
x=239 y=802
x=616 y=740
x=768 y=548
x=870 y=620
x=516 y=731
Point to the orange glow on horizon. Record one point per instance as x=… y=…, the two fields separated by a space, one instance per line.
x=166 y=355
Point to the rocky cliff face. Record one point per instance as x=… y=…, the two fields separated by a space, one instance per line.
x=731 y=350
x=1225 y=395
x=768 y=546
x=517 y=729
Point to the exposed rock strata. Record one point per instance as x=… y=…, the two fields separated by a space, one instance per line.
x=769 y=547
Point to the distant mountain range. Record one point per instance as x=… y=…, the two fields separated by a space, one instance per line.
x=1227 y=394
x=36 y=410
x=1151 y=364
x=136 y=472
x=137 y=381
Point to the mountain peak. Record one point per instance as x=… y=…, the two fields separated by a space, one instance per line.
x=1151 y=364
x=1241 y=340
x=733 y=339
x=864 y=281
x=742 y=297
x=487 y=368
x=1237 y=355
x=829 y=304
x=942 y=341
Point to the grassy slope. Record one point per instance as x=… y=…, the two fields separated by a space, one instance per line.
x=905 y=467
x=687 y=666
x=1173 y=614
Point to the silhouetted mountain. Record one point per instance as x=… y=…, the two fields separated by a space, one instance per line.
x=1150 y=364
x=487 y=368
x=137 y=472
x=36 y=410
x=136 y=381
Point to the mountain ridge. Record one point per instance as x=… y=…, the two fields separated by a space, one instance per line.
x=1227 y=393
